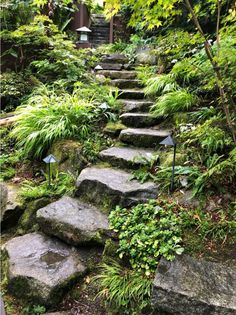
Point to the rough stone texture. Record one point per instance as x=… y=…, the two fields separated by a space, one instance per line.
x=73 y=221
x=131 y=94
x=114 y=74
x=113 y=129
x=127 y=157
x=167 y=158
x=137 y=120
x=41 y=268
x=125 y=83
x=110 y=66
x=146 y=56
x=8 y=121
x=194 y=287
x=143 y=137
x=14 y=207
x=186 y=199
x=115 y=58
x=69 y=155
x=3 y=199
x=110 y=187
x=58 y=313
x=136 y=105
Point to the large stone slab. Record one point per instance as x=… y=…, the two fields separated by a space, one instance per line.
x=116 y=74
x=135 y=105
x=73 y=221
x=110 y=66
x=125 y=83
x=137 y=120
x=127 y=157
x=142 y=137
x=115 y=58
x=194 y=287
x=131 y=94
x=109 y=187
x=40 y=268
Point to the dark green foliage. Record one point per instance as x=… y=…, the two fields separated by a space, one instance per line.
x=61 y=184
x=147 y=232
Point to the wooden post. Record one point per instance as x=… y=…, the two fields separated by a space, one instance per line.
x=111 y=35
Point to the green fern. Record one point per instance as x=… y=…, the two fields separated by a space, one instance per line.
x=173 y=102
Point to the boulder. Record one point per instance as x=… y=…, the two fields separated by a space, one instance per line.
x=146 y=56
x=73 y=221
x=110 y=187
x=69 y=155
x=127 y=157
x=194 y=287
x=3 y=199
x=139 y=120
x=143 y=137
x=40 y=268
x=13 y=208
x=166 y=158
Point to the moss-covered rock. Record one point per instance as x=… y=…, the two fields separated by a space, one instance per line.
x=166 y=158
x=113 y=129
x=69 y=155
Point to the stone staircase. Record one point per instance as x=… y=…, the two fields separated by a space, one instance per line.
x=100 y=30
x=43 y=265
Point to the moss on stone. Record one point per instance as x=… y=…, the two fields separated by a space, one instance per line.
x=166 y=158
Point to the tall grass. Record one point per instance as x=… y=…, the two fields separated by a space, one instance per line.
x=173 y=102
x=161 y=84
x=49 y=117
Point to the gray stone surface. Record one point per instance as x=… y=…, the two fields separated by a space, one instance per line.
x=3 y=199
x=143 y=137
x=115 y=58
x=188 y=286
x=110 y=66
x=114 y=74
x=127 y=157
x=41 y=268
x=58 y=313
x=146 y=56
x=13 y=208
x=136 y=105
x=137 y=120
x=73 y=221
x=131 y=94
x=125 y=83
x=109 y=187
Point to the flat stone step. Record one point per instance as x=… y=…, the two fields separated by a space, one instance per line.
x=196 y=287
x=136 y=105
x=110 y=187
x=143 y=137
x=137 y=120
x=73 y=221
x=114 y=74
x=115 y=58
x=131 y=94
x=127 y=157
x=41 y=269
x=125 y=83
x=111 y=66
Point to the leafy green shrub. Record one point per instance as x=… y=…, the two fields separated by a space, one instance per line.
x=8 y=163
x=144 y=73
x=173 y=102
x=62 y=184
x=208 y=137
x=147 y=232
x=126 y=291
x=161 y=84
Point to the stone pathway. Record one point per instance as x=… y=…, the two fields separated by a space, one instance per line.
x=47 y=266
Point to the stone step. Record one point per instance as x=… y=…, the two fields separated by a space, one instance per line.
x=115 y=58
x=41 y=269
x=190 y=286
x=127 y=157
x=126 y=84
x=111 y=66
x=137 y=120
x=143 y=137
x=73 y=221
x=109 y=187
x=131 y=94
x=136 y=105
x=114 y=74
